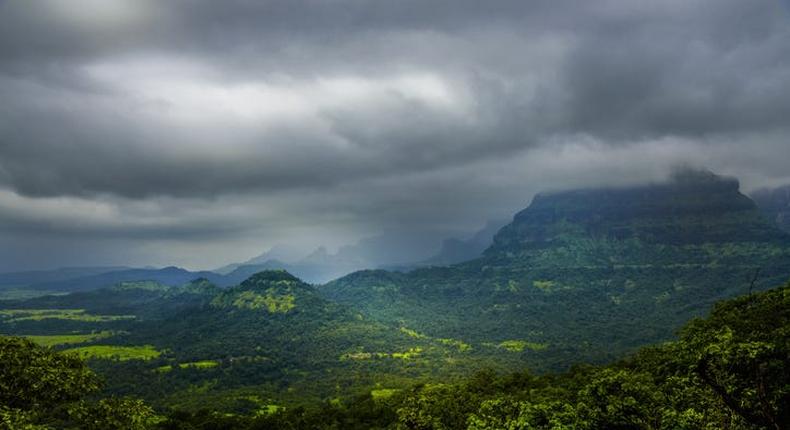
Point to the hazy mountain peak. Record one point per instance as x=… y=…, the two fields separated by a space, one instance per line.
x=695 y=206
x=697 y=176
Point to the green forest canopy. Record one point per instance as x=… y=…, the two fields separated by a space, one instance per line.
x=728 y=370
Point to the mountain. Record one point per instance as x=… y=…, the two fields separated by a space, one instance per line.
x=316 y=268
x=392 y=251
x=168 y=276
x=24 y=279
x=458 y=250
x=578 y=276
x=267 y=337
x=775 y=204
x=587 y=275
x=270 y=338
x=144 y=300
x=279 y=254
x=320 y=266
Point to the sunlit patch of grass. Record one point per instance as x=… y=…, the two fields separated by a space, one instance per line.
x=413 y=333
x=461 y=345
x=112 y=352
x=268 y=409
x=383 y=393
x=543 y=285
x=406 y=355
x=67 y=339
x=15 y=315
x=521 y=345
x=202 y=364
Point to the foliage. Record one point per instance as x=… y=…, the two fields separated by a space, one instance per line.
x=68 y=339
x=658 y=388
x=16 y=315
x=586 y=275
x=122 y=353
x=33 y=377
x=44 y=389
x=114 y=413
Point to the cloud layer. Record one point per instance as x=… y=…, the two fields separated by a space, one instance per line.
x=199 y=132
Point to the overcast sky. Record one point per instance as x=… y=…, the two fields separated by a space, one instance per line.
x=199 y=133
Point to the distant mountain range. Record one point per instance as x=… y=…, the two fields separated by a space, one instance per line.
x=320 y=266
x=24 y=279
x=459 y=250
x=383 y=251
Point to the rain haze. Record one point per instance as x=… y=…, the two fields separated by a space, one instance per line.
x=200 y=133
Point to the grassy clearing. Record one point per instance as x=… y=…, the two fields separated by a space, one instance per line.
x=273 y=303
x=15 y=315
x=413 y=333
x=67 y=339
x=383 y=393
x=202 y=364
x=543 y=285
x=120 y=353
x=521 y=345
x=406 y=355
x=268 y=409
x=460 y=345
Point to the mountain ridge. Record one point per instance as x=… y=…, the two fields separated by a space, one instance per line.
x=632 y=262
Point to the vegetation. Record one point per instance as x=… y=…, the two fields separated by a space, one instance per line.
x=122 y=353
x=581 y=277
x=68 y=339
x=586 y=275
x=203 y=364
x=43 y=389
x=725 y=371
x=17 y=315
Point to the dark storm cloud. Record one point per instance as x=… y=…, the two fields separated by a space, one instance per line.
x=529 y=70
x=350 y=112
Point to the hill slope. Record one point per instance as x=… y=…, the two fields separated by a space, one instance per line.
x=272 y=339
x=588 y=275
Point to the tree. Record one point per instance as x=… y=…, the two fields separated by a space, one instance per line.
x=33 y=377
x=742 y=353
x=43 y=389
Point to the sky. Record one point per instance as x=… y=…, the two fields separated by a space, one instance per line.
x=199 y=133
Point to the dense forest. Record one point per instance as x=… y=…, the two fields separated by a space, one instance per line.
x=725 y=371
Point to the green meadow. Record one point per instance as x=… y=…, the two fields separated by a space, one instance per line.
x=15 y=315
x=202 y=364
x=120 y=353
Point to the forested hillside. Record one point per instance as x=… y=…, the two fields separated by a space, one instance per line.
x=588 y=275
x=727 y=370
x=268 y=342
